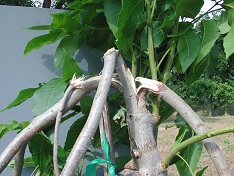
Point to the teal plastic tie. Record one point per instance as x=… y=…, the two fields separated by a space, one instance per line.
x=91 y=167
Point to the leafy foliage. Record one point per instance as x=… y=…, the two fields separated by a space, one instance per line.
x=158 y=40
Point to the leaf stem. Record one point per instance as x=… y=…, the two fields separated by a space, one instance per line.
x=167 y=69
x=151 y=54
x=196 y=138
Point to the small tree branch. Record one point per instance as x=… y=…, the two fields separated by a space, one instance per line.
x=192 y=140
x=46 y=119
x=19 y=161
x=92 y=122
x=56 y=128
x=190 y=117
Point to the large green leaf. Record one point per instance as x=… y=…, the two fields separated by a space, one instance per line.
x=40 y=41
x=129 y=17
x=192 y=156
x=69 y=44
x=70 y=67
x=189 y=8
x=74 y=132
x=22 y=97
x=42 y=150
x=228 y=42
x=210 y=33
x=111 y=11
x=188 y=47
x=49 y=94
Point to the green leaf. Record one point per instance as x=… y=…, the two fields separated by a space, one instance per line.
x=129 y=17
x=42 y=27
x=224 y=28
x=169 y=20
x=62 y=156
x=201 y=172
x=228 y=42
x=64 y=21
x=196 y=70
x=101 y=39
x=230 y=13
x=49 y=94
x=158 y=36
x=189 y=8
x=42 y=150
x=40 y=41
x=188 y=47
x=86 y=104
x=229 y=4
x=22 y=97
x=192 y=156
x=69 y=44
x=210 y=33
x=120 y=162
x=111 y=11
x=70 y=68
x=213 y=61
x=5 y=128
x=74 y=132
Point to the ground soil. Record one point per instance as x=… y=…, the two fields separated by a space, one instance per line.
x=225 y=142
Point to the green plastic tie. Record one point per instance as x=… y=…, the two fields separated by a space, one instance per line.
x=91 y=167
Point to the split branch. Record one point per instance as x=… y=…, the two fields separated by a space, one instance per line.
x=145 y=155
x=190 y=117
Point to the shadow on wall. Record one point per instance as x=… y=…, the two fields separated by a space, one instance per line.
x=89 y=61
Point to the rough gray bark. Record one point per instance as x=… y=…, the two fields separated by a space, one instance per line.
x=144 y=152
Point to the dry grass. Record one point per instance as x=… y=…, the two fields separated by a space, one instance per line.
x=225 y=142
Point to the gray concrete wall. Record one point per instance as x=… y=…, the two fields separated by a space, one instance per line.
x=18 y=72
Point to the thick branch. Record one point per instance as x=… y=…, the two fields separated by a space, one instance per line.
x=146 y=158
x=46 y=119
x=92 y=122
x=190 y=117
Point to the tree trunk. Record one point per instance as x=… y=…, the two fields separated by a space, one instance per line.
x=209 y=106
x=46 y=4
x=226 y=108
x=215 y=111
